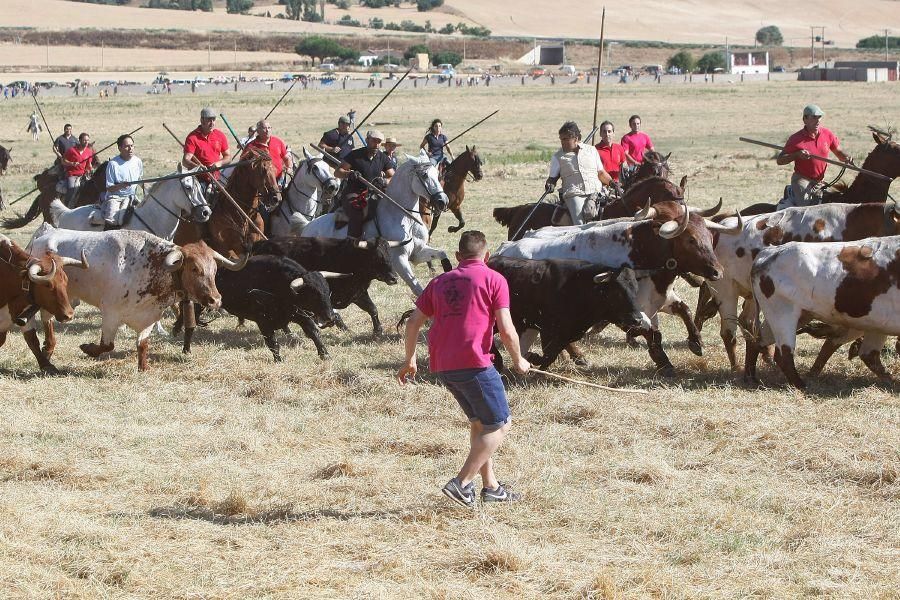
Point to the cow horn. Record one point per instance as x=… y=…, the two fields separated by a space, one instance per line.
x=34 y=272
x=334 y=275
x=603 y=277
x=713 y=226
x=74 y=262
x=362 y=244
x=394 y=244
x=229 y=264
x=672 y=229
x=645 y=213
x=174 y=259
x=709 y=212
x=297 y=284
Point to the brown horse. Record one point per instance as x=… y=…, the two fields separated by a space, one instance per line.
x=649 y=181
x=883 y=159
x=46 y=181
x=467 y=163
x=227 y=231
x=656 y=189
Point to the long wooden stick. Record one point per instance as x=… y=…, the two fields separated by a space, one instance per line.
x=283 y=96
x=221 y=189
x=587 y=383
x=599 y=71
x=471 y=128
x=822 y=158
x=344 y=138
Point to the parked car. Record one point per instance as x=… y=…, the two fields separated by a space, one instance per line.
x=778 y=69
x=567 y=69
x=326 y=67
x=446 y=68
x=537 y=71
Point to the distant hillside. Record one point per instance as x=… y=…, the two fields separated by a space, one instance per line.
x=695 y=21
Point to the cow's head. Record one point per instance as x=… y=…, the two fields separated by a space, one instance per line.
x=312 y=295
x=195 y=265
x=616 y=292
x=49 y=283
x=689 y=237
x=380 y=264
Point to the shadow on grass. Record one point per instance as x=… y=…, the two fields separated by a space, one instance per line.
x=287 y=514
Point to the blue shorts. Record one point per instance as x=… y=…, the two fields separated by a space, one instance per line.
x=480 y=394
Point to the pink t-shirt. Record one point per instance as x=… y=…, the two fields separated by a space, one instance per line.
x=461 y=304
x=635 y=144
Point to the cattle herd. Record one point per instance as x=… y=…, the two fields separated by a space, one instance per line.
x=831 y=270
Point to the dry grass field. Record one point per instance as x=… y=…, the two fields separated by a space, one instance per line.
x=224 y=475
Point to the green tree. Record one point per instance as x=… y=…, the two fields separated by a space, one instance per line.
x=238 y=6
x=376 y=23
x=711 y=61
x=446 y=57
x=448 y=29
x=320 y=47
x=769 y=36
x=412 y=51
x=876 y=42
x=681 y=60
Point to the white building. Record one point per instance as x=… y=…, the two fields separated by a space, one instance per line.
x=749 y=63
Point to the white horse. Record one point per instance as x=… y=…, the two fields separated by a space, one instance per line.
x=312 y=183
x=414 y=178
x=165 y=205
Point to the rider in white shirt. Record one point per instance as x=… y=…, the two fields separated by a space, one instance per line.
x=119 y=194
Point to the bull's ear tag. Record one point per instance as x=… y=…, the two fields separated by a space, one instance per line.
x=866 y=251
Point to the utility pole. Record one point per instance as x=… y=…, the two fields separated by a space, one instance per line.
x=727 y=65
x=235 y=53
x=886 y=31
x=812 y=46
x=101 y=53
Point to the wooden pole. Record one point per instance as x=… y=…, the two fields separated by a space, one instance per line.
x=587 y=383
x=599 y=71
x=823 y=159
x=221 y=189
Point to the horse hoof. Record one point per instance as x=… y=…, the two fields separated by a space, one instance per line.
x=668 y=371
x=581 y=361
x=696 y=347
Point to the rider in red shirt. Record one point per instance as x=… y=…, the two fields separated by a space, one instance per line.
x=636 y=142
x=206 y=144
x=812 y=140
x=77 y=161
x=611 y=154
x=273 y=145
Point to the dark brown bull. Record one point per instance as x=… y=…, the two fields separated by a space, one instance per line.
x=28 y=284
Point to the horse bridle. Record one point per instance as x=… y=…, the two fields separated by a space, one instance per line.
x=178 y=217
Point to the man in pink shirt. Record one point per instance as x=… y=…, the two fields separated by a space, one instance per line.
x=812 y=140
x=464 y=304
x=636 y=142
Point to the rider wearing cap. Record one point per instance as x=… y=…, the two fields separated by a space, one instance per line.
x=390 y=149
x=206 y=145
x=338 y=141
x=812 y=140
x=368 y=163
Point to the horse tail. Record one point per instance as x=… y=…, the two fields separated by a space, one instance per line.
x=505 y=214
x=23 y=220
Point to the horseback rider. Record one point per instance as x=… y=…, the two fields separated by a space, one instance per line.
x=434 y=143
x=121 y=195
x=611 y=153
x=812 y=140
x=77 y=161
x=338 y=141
x=636 y=142
x=62 y=144
x=368 y=163
x=206 y=145
x=390 y=149
x=272 y=145
x=582 y=172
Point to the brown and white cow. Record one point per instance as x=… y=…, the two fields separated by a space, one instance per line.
x=134 y=276
x=821 y=223
x=30 y=283
x=854 y=286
